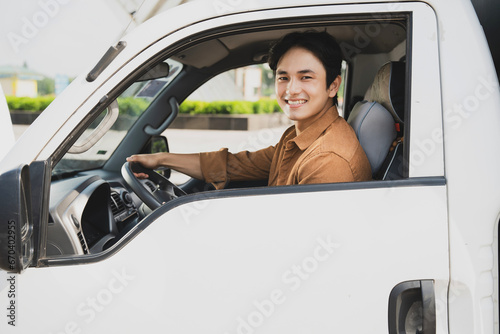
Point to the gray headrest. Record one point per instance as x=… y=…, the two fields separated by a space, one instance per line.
x=374 y=127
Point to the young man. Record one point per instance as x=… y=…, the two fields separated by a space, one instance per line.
x=319 y=148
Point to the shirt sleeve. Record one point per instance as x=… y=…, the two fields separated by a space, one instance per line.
x=221 y=166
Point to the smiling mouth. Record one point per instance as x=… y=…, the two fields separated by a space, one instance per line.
x=295 y=102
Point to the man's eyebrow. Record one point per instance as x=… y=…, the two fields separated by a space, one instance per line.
x=300 y=72
x=306 y=71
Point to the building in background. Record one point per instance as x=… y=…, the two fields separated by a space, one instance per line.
x=19 y=81
x=249 y=80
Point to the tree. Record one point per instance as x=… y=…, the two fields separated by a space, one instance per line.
x=46 y=86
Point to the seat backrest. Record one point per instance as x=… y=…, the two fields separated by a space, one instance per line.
x=374 y=127
x=374 y=120
x=388 y=89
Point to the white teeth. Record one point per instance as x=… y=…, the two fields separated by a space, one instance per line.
x=296 y=102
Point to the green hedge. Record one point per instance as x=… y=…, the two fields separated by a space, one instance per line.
x=263 y=106
x=135 y=106
x=266 y=106
x=132 y=106
x=29 y=103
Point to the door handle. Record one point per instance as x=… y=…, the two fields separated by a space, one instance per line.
x=412 y=308
x=174 y=107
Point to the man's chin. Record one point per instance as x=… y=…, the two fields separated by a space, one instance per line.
x=290 y=111
x=293 y=114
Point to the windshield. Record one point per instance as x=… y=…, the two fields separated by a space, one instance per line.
x=131 y=104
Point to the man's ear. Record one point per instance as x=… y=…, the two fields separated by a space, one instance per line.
x=334 y=86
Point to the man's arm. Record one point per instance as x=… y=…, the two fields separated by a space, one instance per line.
x=188 y=164
x=213 y=167
x=221 y=166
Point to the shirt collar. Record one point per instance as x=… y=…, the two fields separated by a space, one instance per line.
x=309 y=135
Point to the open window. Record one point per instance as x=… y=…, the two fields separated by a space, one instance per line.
x=368 y=43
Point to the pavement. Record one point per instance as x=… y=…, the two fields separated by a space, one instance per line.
x=193 y=141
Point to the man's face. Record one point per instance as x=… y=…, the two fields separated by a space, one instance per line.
x=301 y=87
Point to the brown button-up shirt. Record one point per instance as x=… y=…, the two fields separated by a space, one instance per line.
x=327 y=151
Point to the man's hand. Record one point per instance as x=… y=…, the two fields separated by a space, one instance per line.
x=150 y=161
x=188 y=164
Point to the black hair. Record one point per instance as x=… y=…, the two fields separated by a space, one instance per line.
x=321 y=44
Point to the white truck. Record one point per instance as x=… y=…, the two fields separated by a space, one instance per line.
x=6 y=130
x=86 y=248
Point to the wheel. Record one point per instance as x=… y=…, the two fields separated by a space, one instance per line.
x=162 y=191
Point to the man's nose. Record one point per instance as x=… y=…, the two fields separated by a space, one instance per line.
x=293 y=87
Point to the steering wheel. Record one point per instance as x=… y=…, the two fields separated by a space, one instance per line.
x=163 y=191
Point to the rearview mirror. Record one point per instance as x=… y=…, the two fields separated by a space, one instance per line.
x=157 y=144
x=16 y=226
x=160 y=70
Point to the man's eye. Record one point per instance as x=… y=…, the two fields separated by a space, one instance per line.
x=305 y=77
x=282 y=78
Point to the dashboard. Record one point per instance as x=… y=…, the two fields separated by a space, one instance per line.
x=88 y=214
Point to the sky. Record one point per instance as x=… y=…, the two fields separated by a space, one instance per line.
x=58 y=37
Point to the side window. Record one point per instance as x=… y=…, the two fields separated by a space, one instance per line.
x=341 y=93
x=94 y=147
x=236 y=109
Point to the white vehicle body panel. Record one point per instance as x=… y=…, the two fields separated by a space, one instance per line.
x=470 y=114
x=6 y=130
x=213 y=273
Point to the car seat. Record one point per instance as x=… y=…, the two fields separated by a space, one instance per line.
x=378 y=121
